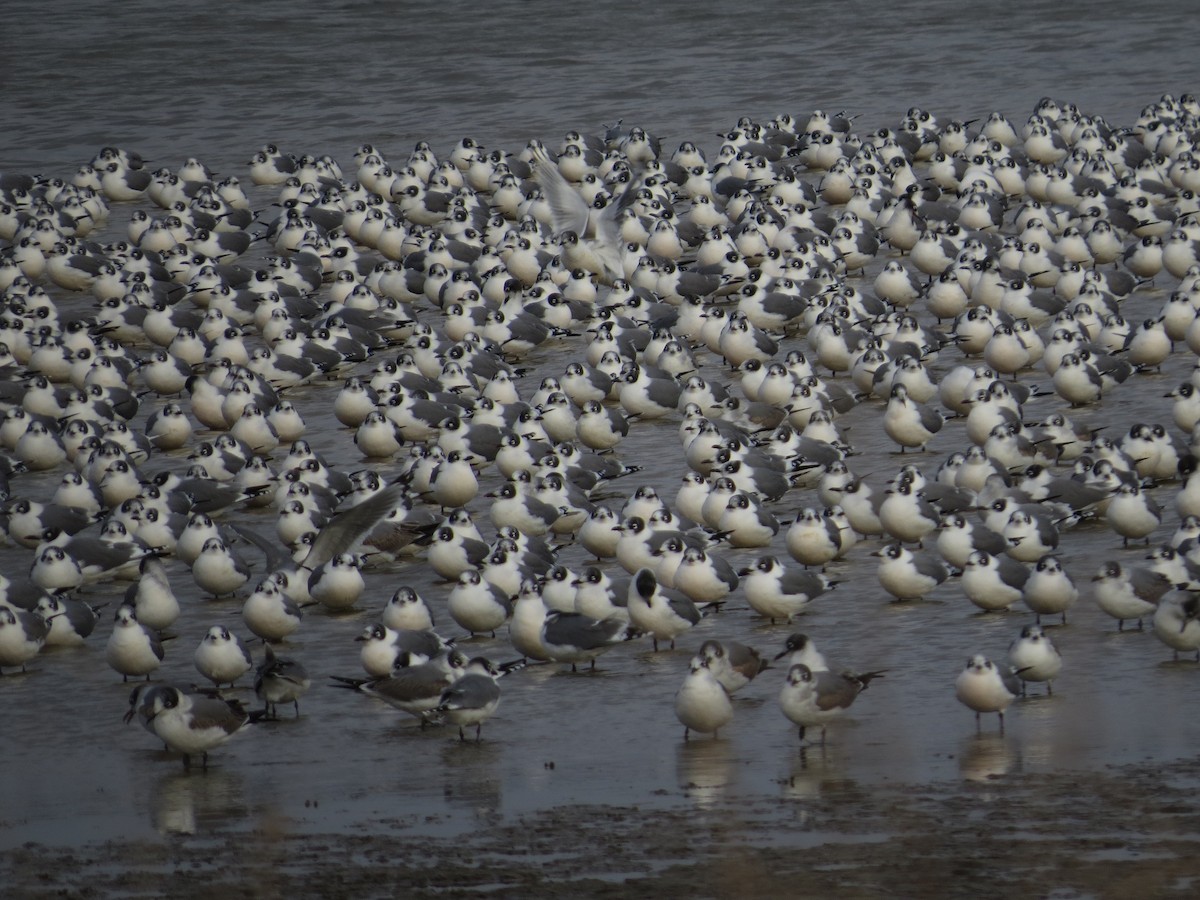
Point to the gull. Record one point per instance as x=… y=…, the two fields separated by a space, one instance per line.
x=337 y=583
x=221 y=657
x=778 y=592
x=575 y=638
x=414 y=689
x=132 y=649
x=993 y=582
x=907 y=575
x=800 y=648
x=909 y=423
x=22 y=635
x=1049 y=590
x=663 y=613
x=1034 y=657
x=280 y=679
x=192 y=724
x=349 y=526
x=734 y=665
x=384 y=647
x=589 y=233
x=816 y=698
x=984 y=687
x=407 y=610
x=269 y=612
x=69 y=620
x=477 y=605
x=219 y=569
x=474 y=697
x=1177 y=622
x=702 y=704
x=1128 y=593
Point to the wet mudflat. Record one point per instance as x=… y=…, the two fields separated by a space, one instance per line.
x=1120 y=832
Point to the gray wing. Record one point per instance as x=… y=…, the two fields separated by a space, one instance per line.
x=783 y=305
x=423 y=643
x=947 y=499
x=81 y=616
x=931 y=567
x=1103 y=364
x=1075 y=494
x=476 y=551
x=765 y=343
x=345 y=529
x=35 y=625
x=835 y=691
x=931 y=419
x=663 y=391
x=276 y=558
x=289 y=606
x=567 y=206
x=1148 y=584
x=65 y=518
x=155 y=643
x=616 y=421
x=406 y=685
x=800 y=583
x=578 y=630
x=1047 y=532
x=765 y=519
x=1012 y=572
x=211 y=713
x=618 y=591
x=724 y=570
x=1009 y=676
x=743 y=658
x=390 y=535
x=102 y=554
x=287 y=670
x=681 y=605
x=484 y=440
x=542 y=510
x=470 y=692
x=501 y=598
x=987 y=540
x=697 y=284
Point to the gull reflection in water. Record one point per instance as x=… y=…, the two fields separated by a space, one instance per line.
x=471 y=775
x=812 y=768
x=704 y=768
x=192 y=802
x=986 y=756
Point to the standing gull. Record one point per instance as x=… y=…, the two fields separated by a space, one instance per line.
x=816 y=698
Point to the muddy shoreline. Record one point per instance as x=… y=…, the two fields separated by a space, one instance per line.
x=1118 y=833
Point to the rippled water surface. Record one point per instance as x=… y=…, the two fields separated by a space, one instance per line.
x=322 y=78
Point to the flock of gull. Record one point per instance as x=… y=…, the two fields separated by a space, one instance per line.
x=167 y=348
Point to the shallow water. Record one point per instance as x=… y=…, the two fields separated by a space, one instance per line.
x=322 y=79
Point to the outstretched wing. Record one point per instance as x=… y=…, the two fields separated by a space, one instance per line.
x=567 y=206
x=347 y=528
